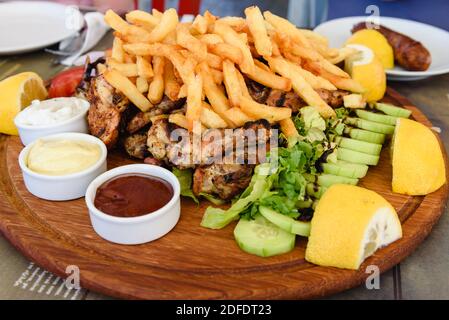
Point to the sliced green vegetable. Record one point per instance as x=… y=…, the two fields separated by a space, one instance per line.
x=262 y=238
x=376 y=117
x=357 y=157
x=185 y=181
x=286 y=223
x=392 y=110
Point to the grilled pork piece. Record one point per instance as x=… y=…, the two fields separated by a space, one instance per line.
x=106 y=106
x=279 y=98
x=136 y=145
x=332 y=98
x=141 y=119
x=224 y=180
x=222 y=165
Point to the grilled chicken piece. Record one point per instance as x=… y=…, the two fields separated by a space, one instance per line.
x=141 y=119
x=136 y=145
x=332 y=98
x=224 y=180
x=106 y=105
x=278 y=98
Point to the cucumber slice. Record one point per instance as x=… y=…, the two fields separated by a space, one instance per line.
x=356 y=157
x=345 y=169
x=392 y=110
x=327 y=180
x=370 y=125
x=263 y=238
x=361 y=146
x=315 y=191
x=364 y=135
x=376 y=117
x=286 y=223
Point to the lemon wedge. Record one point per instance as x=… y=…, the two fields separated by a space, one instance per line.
x=365 y=68
x=16 y=93
x=418 y=163
x=377 y=42
x=349 y=224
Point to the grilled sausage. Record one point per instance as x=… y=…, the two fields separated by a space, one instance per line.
x=409 y=53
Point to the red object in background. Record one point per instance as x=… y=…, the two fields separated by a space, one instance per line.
x=185 y=6
x=65 y=83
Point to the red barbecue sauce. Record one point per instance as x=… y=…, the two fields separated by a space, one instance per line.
x=133 y=195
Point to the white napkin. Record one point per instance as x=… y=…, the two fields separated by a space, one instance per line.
x=96 y=29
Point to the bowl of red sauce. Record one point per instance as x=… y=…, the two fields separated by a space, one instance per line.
x=134 y=204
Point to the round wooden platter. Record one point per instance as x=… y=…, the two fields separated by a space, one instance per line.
x=192 y=262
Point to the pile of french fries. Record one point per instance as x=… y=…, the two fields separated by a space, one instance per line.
x=207 y=60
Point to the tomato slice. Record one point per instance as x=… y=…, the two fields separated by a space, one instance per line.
x=65 y=83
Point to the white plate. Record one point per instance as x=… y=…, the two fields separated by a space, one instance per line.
x=28 y=26
x=434 y=39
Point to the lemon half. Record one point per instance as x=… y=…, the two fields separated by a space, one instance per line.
x=418 y=163
x=365 y=68
x=349 y=224
x=377 y=42
x=16 y=93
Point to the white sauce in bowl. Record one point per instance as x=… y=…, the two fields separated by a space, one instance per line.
x=52 y=111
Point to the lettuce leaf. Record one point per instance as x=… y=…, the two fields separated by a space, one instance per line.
x=185 y=180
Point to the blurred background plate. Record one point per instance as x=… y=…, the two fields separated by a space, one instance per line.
x=28 y=26
x=433 y=38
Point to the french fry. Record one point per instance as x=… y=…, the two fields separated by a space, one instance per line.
x=288 y=128
x=314 y=37
x=217 y=75
x=284 y=26
x=124 y=85
x=316 y=82
x=216 y=97
x=232 y=83
x=170 y=38
x=155 y=12
x=167 y=24
x=339 y=82
x=194 y=100
x=235 y=22
x=210 y=19
x=179 y=119
x=156 y=88
x=101 y=68
x=182 y=92
x=145 y=49
x=171 y=85
x=260 y=111
x=227 y=51
x=301 y=86
x=127 y=69
x=243 y=86
x=117 y=53
x=239 y=118
x=210 y=119
x=257 y=28
x=142 y=84
x=214 y=61
x=343 y=53
x=210 y=38
x=144 y=68
x=262 y=65
x=199 y=25
x=186 y=40
x=269 y=79
x=142 y=19
x=231 y=37
x=125 y=29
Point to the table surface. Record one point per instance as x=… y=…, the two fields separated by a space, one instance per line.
x=423 y=275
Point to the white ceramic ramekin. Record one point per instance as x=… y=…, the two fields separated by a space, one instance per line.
x=135 y=230
x=67 y=187
x=29 y=133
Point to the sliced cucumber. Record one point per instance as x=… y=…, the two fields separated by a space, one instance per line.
x=364 y=135
x=346 y=169
x=315 y=191
x=356 y=157
x=376 y=117
x=370 y=125
x=285 y=223
x=263 y=238
x=361 y=146
x=327 y=180
x=392 y=110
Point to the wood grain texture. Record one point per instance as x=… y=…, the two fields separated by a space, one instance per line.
x=192 y=262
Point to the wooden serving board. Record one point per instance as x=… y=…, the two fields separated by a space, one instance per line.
x=192 y=262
